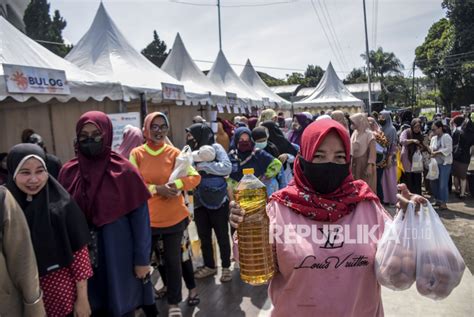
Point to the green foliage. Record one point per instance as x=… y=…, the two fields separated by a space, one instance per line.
x=356 y=76
x=398 y=91
x=447 y=54
x=313 y=75
x=295 y=79
x=271 y=81
x=310 y=78
x=156 y=50
x=383 y=64
x=40 y=26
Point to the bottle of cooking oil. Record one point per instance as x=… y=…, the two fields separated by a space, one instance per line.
x=255 y=251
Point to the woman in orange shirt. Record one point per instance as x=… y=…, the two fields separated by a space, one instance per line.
x=169 y=215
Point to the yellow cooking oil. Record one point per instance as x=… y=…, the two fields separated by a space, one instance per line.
x=255 y=251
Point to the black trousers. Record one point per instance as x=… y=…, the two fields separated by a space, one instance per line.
x=379 y=184
x=188 y=274
x=172 y=267
x=413 y=182
x=218 y=220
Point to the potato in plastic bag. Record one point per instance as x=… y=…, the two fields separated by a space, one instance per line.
x=395 y=260
x=439 y=265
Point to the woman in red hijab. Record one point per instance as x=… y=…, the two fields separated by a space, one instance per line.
x=113 y=197
x=325 y=262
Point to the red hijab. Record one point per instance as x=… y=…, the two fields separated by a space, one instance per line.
x=302 y=199
x=107 y=186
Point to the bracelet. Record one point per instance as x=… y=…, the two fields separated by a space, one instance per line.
x=35 y=301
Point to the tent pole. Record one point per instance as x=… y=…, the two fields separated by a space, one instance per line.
x=143 y=107
x=369 y=107
x=219 y=20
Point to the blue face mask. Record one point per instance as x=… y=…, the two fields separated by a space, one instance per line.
x=261 y=145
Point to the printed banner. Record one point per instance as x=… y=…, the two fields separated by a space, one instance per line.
x=173 y=92
x=119 y=121
x=34 y=80
x=231 y=98
x=266 y=101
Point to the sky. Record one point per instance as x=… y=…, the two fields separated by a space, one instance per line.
x=284 y=34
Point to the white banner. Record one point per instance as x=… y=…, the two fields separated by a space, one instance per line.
x=34 y=80
x=231 y=98
x=173 y=92
x=266 y=101
x=119 y=121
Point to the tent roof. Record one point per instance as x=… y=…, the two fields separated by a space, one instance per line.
x=253 y=80
x=181 y=66
x=330 y=92
x=364 y=87
x=104 y=51
x=284 y=89
x=18 y=49
x=225 y=77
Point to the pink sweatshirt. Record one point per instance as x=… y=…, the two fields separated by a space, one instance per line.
x=321 y=275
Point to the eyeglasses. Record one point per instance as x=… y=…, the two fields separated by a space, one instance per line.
x=97 y=137
x=157 y=127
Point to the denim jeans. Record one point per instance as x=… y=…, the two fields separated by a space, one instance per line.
x=439 y=186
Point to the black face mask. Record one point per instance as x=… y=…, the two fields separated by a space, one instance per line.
x=325 y=178
x=90 y=147
x=192 y=144
x=382 y=122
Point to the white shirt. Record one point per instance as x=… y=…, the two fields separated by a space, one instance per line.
x=446 y=148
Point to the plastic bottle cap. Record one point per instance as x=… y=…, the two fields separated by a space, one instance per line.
x=248 y=171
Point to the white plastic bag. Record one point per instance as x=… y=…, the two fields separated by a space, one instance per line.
x=417 y=162
x=395 y=260
x=182 y=164
x=439 y=265
x=433 y=171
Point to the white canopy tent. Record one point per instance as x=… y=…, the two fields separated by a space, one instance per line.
x=18 y=49
x=51 y=115
x=225 y=77
x=13 y=11
x=330 y=93
x=253 y=80
x=181 y=66
x=104 y=51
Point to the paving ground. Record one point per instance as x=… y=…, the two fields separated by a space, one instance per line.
x=237 y=299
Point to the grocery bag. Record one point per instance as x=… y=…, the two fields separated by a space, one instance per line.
x=417 y=162
x=439 y=265
x=182 y=163
x=395 y=259
x=433 y=171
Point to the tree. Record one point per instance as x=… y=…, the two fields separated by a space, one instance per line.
x=40 y=26
x=295 y=79
x=313 y=75
x=461 y=51
x=156 y=50
x=357 y=75
x=271 y=81
x=383 y=64
x=431 y=58
x=398 y=91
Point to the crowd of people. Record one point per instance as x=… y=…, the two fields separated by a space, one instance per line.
x=81 y=239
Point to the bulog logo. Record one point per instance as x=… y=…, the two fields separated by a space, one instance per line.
x=22 y=81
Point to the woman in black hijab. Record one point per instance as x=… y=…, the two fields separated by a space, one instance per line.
x=275 y=135
x=58 y=230
x=287 y=152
